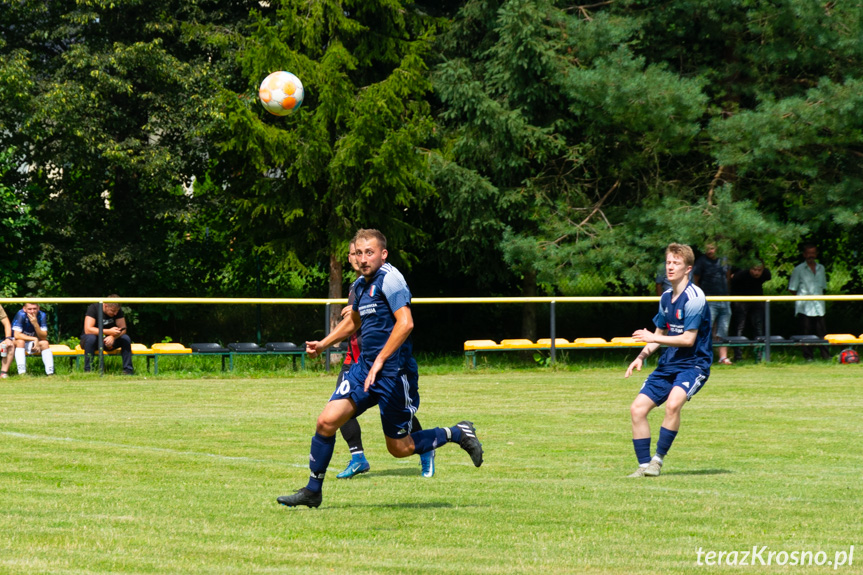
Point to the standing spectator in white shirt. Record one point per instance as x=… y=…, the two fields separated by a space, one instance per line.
x=809 y=278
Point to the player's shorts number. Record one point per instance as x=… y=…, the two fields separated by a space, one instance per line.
x=344 y=387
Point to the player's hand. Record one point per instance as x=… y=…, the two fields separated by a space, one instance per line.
x=644 y=335
x=346 y=311
x=373 y=375
x=635 y=365
x=109 y=342
x=313 y=348
x=32 y=318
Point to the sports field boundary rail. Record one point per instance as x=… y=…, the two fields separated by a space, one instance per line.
x=551 y=300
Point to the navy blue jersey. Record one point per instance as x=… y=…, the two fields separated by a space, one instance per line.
x=376 y=302
x=23 y=324
x=688 y=312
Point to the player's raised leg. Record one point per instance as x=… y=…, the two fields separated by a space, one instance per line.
x=463 y=433
x=334 y=415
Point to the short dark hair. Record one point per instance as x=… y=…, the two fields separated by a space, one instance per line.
x=808 y=246
x=363 y=234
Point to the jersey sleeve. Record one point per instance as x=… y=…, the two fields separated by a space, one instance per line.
x=659 y=320
x=395 y=290
x=43 y=321
x=693 y=312
x=16 y=322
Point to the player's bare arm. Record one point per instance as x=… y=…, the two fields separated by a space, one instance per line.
x=654 y=339
x=402 y=329
x=34 y=320
x=347 y=327
x=661 y=337
x=638 y=362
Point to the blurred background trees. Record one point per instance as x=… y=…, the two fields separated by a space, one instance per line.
x=505 y=148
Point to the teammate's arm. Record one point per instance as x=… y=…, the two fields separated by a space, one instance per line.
x=346 y=327
x=401 y=330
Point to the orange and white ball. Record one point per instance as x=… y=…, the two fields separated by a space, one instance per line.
x=281 y=93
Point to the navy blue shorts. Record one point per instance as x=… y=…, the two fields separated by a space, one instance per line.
x=397 y=398
x=659 y=384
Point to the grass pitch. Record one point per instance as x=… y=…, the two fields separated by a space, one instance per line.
x=120 y=475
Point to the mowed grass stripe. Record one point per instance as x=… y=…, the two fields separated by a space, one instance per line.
x=180 y=476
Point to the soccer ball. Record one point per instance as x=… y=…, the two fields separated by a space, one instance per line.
x=281 y=93
x=849 y=356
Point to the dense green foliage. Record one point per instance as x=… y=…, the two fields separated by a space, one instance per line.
x=505 y=147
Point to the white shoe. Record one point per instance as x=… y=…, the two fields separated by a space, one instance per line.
x=653 y=468
x=638 y=472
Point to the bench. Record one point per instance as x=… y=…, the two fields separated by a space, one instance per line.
x=137 y=349
x=213 y=349
x=165 y=349
x=471 y=347
x=274 y=348
x=74 y=355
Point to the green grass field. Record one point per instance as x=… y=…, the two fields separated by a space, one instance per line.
x=151 y=475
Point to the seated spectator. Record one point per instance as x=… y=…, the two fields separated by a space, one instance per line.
x=8 y=345
x=30 y=327
x=113 y=333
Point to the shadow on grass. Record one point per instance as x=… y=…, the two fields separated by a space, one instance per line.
x=700 y=472
x=404 y=472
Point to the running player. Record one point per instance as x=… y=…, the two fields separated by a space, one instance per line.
x=683 y=325
x=351 y=431
x=385 y=375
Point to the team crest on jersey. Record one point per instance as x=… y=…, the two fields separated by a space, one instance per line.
x=679 y=314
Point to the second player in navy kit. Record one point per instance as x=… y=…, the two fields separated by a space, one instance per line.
x=683 y=326
x=385 y=375
x=351 y=430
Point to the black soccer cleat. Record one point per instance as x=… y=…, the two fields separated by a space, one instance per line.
x=469 y=442
x=302 y=496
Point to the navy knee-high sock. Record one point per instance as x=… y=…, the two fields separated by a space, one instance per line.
x=428 y=439
x=319 y=459
x=642 y=450
x=663 y=444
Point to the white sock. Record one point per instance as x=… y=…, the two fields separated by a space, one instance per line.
x=658 y=458
x=48 y=360
x=21 y=360
x=643 y=465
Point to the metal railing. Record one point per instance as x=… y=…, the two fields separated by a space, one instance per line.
x=327 y=303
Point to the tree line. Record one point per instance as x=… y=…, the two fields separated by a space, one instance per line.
x=504 y=147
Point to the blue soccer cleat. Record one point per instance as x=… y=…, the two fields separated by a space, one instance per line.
x=355 y=467
x=427 y=462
